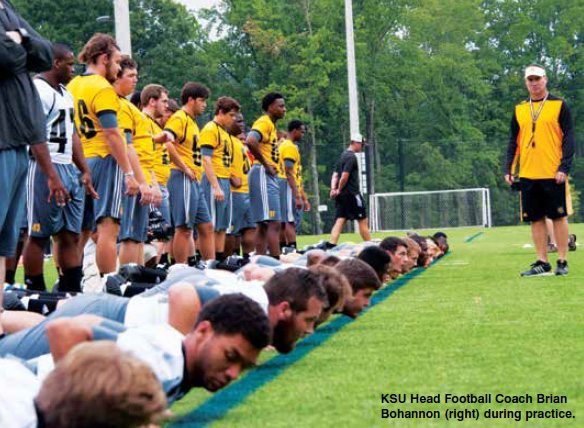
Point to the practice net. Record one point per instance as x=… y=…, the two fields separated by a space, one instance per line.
x=437 y=209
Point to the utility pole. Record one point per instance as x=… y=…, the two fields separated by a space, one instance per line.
x=122 y=21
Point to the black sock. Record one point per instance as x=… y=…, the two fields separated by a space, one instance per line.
x=275 y=257
x=172 y=260
x=71 y=279
x=220 y=256
x=192 y=260
x=35 y=282
x=10 y=274
x=198 y=255
x=282 y=245
x=164 y=259
x=246 y=256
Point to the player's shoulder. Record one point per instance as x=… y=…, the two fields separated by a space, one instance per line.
x=210 y=126
x=263 y=121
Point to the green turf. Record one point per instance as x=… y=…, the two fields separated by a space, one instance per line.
x=468 y=324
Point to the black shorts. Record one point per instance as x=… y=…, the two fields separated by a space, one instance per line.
x=542 y=198
x=351 y=207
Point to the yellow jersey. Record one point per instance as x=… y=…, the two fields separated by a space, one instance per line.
x=133 y=120
x=299 y=177
x=214 y=137
x=241 y=165
x=288 y=151
x=94 y=96
x=186 y=140
x=161 y=160
x=268 y=144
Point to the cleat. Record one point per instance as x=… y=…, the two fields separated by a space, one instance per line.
x=538 y=268
x=562 y=268
x=572 y=242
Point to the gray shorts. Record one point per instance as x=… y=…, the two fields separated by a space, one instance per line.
x=219 y=211
x=240 y=217
x=187 y=205
x=287 y=202
x=108 y=181
x=134 y=222
x=264 y=194
x=33 y=342
x=13 y=167
x=48 y=219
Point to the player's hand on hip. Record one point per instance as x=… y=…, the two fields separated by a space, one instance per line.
x=132 y=186
x=146 y=195
x=271 y=170
x=88 y=184
x=560 y=177
x=57 y=190
x=15 y=36
x=509 y=179
x=191 y=174
x=218 y=194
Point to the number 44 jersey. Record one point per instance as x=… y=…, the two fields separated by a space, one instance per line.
x=59 y=108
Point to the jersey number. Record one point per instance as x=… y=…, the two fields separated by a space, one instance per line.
x=246 y=163
x=59 y=129
x=85 y=123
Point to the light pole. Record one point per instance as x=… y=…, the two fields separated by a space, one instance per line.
x=122 y=21
x=351 y=68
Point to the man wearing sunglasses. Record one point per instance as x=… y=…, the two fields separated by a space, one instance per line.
x=541 y=144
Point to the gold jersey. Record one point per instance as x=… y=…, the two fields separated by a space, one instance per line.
x=162 y=164
x=241 y=165
x=288 y=151
x=186 y=140
x=268 y=144
x=214 y=137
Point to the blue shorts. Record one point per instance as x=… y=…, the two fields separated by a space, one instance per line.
x=219 y=211
x=264 y=195
x=240 y=218
x=134 y=222
x=187 y=205
x=48 y=219
x=13 y=168
x=287 y=201
x=32 y=342
x=108 y=181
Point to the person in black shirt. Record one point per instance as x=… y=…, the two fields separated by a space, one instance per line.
x=345 y=191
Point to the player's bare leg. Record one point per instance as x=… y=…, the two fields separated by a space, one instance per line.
x=206 y=240
x=364 y=229
x=180 y=245
x=337 y=229
x=562 y=235
x=539 y=236
x=106 y=253
x=273 y=238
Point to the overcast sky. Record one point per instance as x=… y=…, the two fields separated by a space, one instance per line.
x=198 y=4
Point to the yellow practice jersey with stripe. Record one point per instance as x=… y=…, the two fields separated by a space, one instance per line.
x=241 y=165
x=94 y=95
x=269 y=143
x=550 y=148
x=130 y=119
x=186 y=140
x=161 y=160
x=213 y=136
x=288 y=151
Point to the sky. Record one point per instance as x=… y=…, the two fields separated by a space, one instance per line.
x=198 y=4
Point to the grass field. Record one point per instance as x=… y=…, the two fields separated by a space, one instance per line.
x=467 y=325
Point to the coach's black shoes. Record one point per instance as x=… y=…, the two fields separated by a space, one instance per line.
x=539 y=268
x=562 y=268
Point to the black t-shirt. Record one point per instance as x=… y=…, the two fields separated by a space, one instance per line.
x=348 y=163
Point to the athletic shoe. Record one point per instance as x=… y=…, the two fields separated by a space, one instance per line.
x=538 y=268
x=572 y=242
x=112 y=284
x=562 y=268
x=551 y=248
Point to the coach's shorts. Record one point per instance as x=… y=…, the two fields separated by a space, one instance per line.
x=240 y=217
x=48 y=219
x=219 y=210
x=287 y=201
x=32 y=342
x=187 y=205
x=542 y=198
x=134 y=222
x=264 y=195
x=13 y=168
x=350 y=207
x=108 y=181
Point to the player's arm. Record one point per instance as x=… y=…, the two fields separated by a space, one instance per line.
x=145 y=190
x=56 y=188
x=289 y=170
x=343 y=181
x=173 y=130
x=236 y=169
x=253 y=141
x=512 y=148
x=81 y=164
x=568 y=143
x=160 y=138
x=156 y=192
x=209 y=142
x=349 y=165
x=184 y=306
x=334 y=185
x=304 y=199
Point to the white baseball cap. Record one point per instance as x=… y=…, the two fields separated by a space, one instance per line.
x=357 y=138
x=534 y=70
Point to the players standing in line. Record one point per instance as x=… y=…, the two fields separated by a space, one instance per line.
x=263 y=182
x=217 y=151
x=134 y=125
x=48 y=219
x=154 y=100
x=188 y=206
x=96 y=117
x=242 y=229
x=290 y=198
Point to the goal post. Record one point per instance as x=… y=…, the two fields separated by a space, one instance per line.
x=436 y=209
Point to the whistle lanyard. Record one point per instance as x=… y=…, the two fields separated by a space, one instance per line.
x=534 y=118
